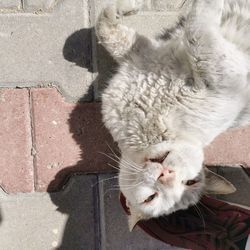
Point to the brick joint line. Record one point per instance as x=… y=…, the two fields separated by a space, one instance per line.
x=22 y=4
x=91 y=20
x=33 y=146
x=101 y=215
x=97 y=217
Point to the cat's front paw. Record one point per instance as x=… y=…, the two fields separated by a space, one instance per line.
x=128 y=7
x=110 y=15
x=114 y=36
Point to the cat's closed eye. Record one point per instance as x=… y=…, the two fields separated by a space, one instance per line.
x=191 y=182
x=159 y=159
x=150 y=198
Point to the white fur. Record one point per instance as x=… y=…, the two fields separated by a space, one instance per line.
x=175 y=95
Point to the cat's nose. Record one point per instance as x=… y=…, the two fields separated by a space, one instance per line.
x=166 y=175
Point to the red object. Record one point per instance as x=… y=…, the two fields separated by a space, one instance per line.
x=211 y=225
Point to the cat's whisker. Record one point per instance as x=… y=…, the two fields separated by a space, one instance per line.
x=138 y=167
x=113 y=166
x=206 y=207
x=126 y=179
x=111 y=178
x=132 y=186
x=200 y=215
x=123 y=172
x=130 y=166
x=111 y=189
x=113 y=152
x=99 y=42
x=117 y=188
x=101 y=181
x=110 y=157
x=125 y=166
x=127 y=172
x=127 y=163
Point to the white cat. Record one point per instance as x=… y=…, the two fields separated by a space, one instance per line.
x=170 y=97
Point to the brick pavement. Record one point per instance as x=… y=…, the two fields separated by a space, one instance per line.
x=46 y=138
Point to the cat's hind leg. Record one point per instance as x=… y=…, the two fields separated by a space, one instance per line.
x=205 y=12
x=216 y=62
x=117 y=38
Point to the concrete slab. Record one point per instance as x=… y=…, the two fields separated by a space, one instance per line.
x=64 y=220
x=10 y=5
x=52 y=42
x=114 y=227
x=148 y=5
x=67 y=138
x=16 y=161
x=39 y=49
x=39 y=5
x=161 y=5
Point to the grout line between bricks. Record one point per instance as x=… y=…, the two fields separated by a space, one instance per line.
x=245 y=170
x=101 y=216
x=22 y=4
x=92 y=15
x=97 y=216
x=33 y=147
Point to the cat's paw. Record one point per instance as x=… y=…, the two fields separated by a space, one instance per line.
x=128 y=7
x=109 y=14
x=112 y=13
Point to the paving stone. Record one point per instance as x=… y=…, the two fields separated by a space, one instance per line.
x=230 y=148
x=10 y=5
x=42 y=5
x=114 y=225
x=64 y=220
x=67 y=138
x=149 y=5
x=59 y=37
x=16 y=162
x=48 y=47
x=161 y=5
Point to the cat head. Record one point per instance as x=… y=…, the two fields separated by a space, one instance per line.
x=156 y=182
x=161 y=142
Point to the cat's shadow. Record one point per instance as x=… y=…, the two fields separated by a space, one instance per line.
x=0 y=216
x=82 y=49
x=87 y=133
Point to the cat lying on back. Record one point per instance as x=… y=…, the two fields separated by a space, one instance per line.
x=170 y=97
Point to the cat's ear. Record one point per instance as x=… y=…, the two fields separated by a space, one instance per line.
x=216 y=184
x=133 y=219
